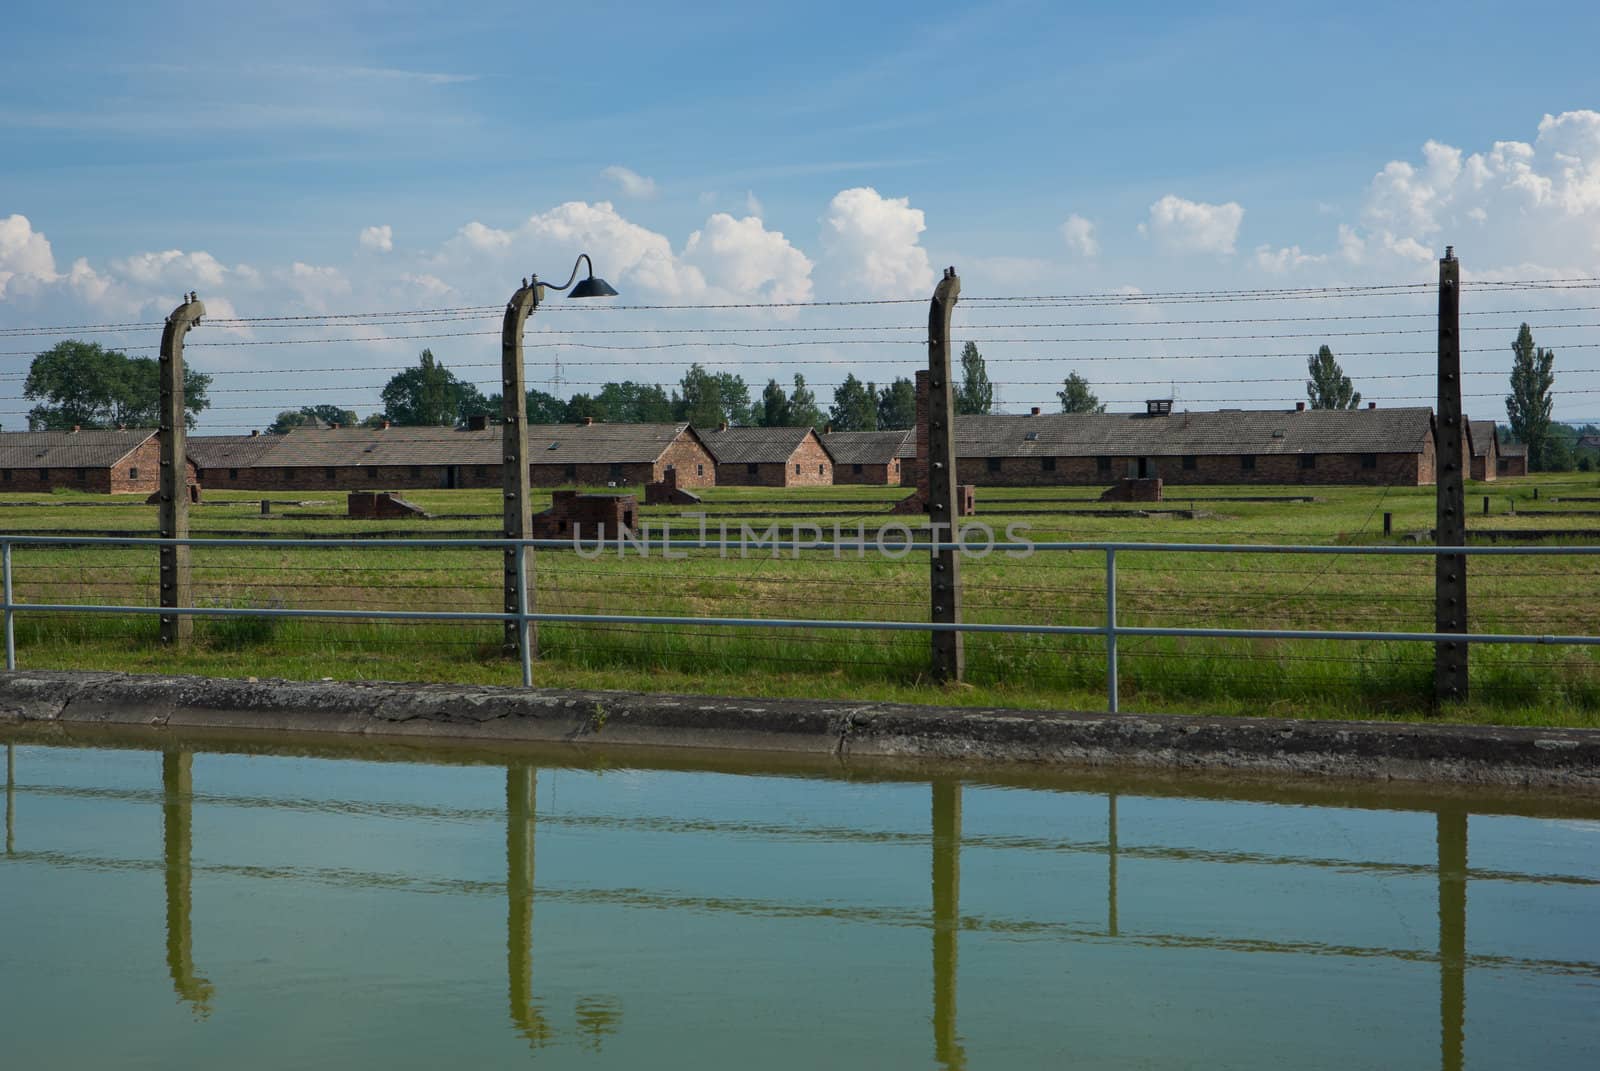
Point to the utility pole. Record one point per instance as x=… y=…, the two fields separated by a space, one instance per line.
x=174 y=486
x=949 y=650
x=522 y=637
x=1450 y=524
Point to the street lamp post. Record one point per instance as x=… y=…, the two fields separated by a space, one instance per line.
x=521 y=635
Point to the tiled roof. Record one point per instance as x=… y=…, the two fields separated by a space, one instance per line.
x=1513 y=449
x=548 y=444
x=753 y=446
x=1481 y=432
x=89 y=449
x=868 y=447
x=1226 y=431
x=230 y=451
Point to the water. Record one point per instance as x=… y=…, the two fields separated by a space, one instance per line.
x=230 y=905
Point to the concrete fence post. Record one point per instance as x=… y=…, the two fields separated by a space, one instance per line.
x=521 y=636
x=949 y=648
x=1450 y=523
x=174 y=488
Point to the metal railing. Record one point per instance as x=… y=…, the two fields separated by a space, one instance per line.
x=1112 y=630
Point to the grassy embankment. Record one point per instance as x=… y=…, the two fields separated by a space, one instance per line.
x=1291 y=678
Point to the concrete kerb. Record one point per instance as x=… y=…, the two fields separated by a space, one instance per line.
x=1567 y=759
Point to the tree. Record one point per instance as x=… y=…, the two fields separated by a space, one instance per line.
x=1076 y=397
x=1329 y=387
x=312 y=415
x=803 y=411
x=773 y=409
x=87 y=385
x=736 y=407
x=1528 y=404
x=634 y=403
x=544 y=408
x=897 y=405
x=700 y=402
x=581 y=407
x=855 y=406
x=974 y=394
x=428 y=395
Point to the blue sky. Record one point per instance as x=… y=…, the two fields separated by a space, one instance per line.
x=711 y=152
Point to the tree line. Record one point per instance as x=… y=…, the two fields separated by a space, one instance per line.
x=85 y=385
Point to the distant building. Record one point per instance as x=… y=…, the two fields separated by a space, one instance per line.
x=869 y=457
x=769 y=457
x=1484 y=450
x=122 y=461
x=393 y=458
x=1512 y=459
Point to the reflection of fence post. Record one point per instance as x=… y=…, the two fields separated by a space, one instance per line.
x=174 y=486
x=1111 y=863
x=946 y=920
x=1111 y=629
x=11 y=776
x=520 y=784
x=1452 y=845
x=177 y=834
x=1450 y=524
x=949 y=650
x=520 y=635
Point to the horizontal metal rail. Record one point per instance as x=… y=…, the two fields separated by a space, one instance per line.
x=1111 y=630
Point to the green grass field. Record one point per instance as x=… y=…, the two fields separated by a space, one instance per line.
x=1545 y=595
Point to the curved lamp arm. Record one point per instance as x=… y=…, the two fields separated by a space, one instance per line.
x=582 y=257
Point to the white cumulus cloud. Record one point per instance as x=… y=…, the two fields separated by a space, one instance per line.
x=630 y=182
x=380 y=239
x=1181 y=226
x=23 y=252
x=1078 y=233
x=874 y=245
x=1278 y=261
x=742 y=257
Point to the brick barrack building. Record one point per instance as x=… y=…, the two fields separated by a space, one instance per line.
x=121 y=461
x=769 y=457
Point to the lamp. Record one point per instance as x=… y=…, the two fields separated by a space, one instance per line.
x=593 y=286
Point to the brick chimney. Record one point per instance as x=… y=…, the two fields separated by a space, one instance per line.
x=588 y=421
x=1299 y=407
x=1034 y=411
x=723 y=426
x=828 y=430
x=385 y=426
x=76 y=428
x=478 y=422
x=334 y=425
x=255 y=433
x=1372 y=405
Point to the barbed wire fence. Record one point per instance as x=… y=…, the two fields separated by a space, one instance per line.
x=353 y=358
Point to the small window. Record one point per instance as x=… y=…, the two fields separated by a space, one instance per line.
x=856 y=469
x=416 y=471
x=994 y=464
x=1247 y=462
x=6 y=475
x=288 y=474
x=133 y=474
x=481 y=470
x=1047 y=464
x=569 y=473
x=797 y=468
x=1308 y=461
x=44 y=475
x=83 y=474
x=752 y=469
x=329 y=472
x=820 y=470
x=555 y=445
x=1102 y=464
x=1031 y=436
x=616 y=473
x=233 y=474
x=699 y=470
x=1190 y=462
x=1370 y=461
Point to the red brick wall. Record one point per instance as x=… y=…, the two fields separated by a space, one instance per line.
x=692 y=461
x=347 y=478
x=137 y=474
x=774 y=474
x=814 y=464
x=554 y=475
x=877 y=475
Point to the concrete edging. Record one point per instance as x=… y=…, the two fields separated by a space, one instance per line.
x=1458 y=754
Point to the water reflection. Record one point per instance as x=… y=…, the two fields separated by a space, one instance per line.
x=947 y=1047
x=1452 y=838
x=177 y=802
x=597 y=1016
